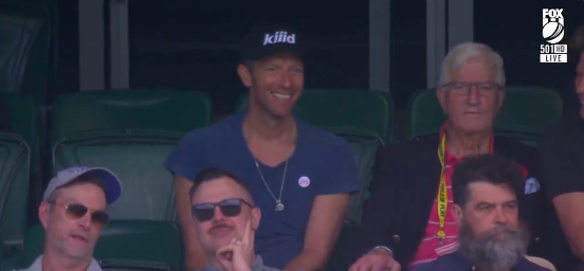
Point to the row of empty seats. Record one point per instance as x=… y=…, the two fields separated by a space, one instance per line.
x=132 y=131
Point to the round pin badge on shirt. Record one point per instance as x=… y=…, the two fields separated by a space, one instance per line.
x=304 y=182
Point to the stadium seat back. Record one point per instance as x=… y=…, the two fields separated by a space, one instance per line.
x=125 y=245
x=130 y=133
x=25 y=45
x=525 y=114
x=365 y=148
x=20 y=111
x=14 y=181
x=425 y=115
x=126 y=110
x=363 y=110
x=137 y=160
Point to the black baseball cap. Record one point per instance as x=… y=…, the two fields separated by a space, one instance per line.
x=267 y=39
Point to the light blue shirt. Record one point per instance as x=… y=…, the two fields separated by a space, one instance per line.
x=38 y=265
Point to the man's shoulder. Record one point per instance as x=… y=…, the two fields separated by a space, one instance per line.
x=214 y=131
x=37 y=265
x=566 y=131
x=524 y=154
x=566 y=125
x=514 y=147
x=316 y=133
x=409 y=151
x=321 y=139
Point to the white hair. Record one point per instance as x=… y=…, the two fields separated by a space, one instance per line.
x=460 y=55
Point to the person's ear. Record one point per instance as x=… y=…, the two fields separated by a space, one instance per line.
x=457 y=213
x=256 y=215
x=244 y=75
x=44 y=213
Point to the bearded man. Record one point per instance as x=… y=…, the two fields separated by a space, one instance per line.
x=486 y=208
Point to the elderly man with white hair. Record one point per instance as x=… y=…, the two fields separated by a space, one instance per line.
x=407 y=219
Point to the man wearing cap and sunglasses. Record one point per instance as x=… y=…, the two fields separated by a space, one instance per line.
x=300 y=176
x=73 y=214
x=225 y=221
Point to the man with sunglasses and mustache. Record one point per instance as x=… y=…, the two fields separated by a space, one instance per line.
x=225 y=221
x=73 y=214
x=486 y=209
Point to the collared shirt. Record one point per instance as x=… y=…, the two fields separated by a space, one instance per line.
x=455 y=261
x=38 y=265
x=431 y=246
x=258 y=265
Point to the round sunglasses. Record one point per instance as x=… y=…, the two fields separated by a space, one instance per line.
x=229 y=207
x=76 y=211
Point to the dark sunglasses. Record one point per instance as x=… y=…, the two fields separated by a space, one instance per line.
x=229 y=207
x=76 y=211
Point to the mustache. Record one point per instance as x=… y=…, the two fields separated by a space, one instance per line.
x=499 y=229
x=219 y=226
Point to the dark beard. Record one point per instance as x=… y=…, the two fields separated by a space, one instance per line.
x=497 y=249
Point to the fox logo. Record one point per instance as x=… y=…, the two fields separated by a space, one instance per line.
x=279 y=37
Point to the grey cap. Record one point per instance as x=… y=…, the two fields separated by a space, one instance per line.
x=113 y=186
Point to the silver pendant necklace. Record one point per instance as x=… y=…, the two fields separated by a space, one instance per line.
x=279 y=204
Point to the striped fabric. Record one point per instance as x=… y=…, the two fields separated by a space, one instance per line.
x=430 y=248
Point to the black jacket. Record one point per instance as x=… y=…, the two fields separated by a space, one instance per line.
x=403 y=188
x=562 y=151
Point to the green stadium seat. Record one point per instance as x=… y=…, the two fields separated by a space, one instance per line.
x=526 y=113
x=25 y=38
x=15 y=157
x=22 y=117
x=130 y=132
x=365 y=148
x=362 y=110
x=125 y=245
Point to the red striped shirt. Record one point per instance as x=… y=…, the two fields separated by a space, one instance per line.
x=430 y=248
x=427 y=249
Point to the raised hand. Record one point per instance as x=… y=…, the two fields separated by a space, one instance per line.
x=248 y=240
x=239 y=255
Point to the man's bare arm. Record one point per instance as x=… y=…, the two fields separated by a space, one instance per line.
x=324 y=225
x=195 y=256
x=570 y=210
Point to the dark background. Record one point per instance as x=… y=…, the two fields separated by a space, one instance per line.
x=190 y=44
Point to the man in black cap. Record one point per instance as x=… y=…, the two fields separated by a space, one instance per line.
x=301 y=177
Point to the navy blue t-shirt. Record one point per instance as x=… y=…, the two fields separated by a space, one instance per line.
x=322 y=164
